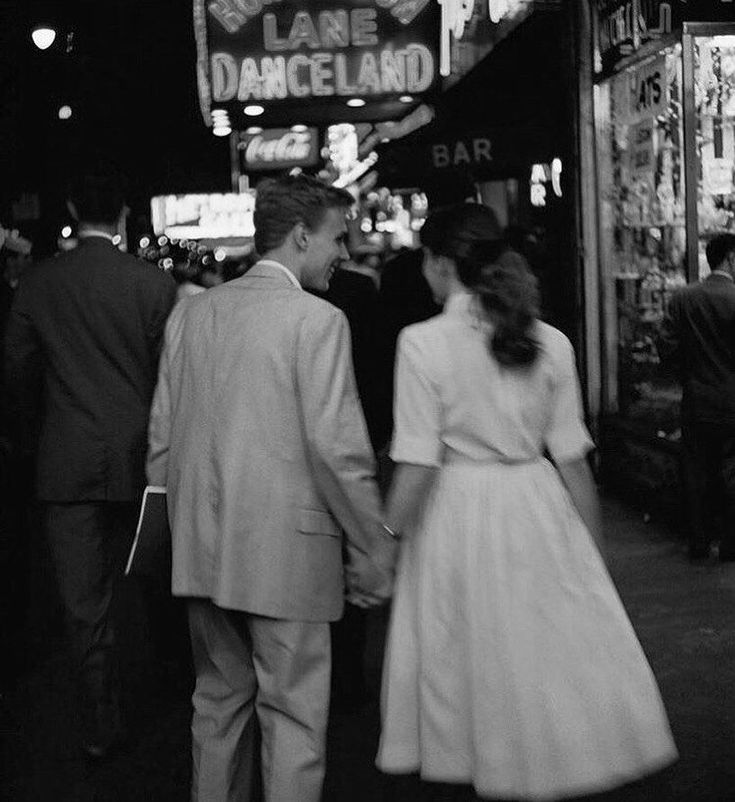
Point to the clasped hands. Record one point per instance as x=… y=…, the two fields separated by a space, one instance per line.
x=370 y=577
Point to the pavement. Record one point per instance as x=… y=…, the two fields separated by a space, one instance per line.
x=684 y=615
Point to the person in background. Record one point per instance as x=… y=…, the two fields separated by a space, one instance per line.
x=186 y=272
x=82 y=348
x=257 y=433
x=510 y=664
x=698 y=338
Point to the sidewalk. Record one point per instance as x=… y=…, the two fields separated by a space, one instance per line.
x=684 y=616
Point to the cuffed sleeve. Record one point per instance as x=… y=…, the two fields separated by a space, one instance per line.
x=567 y=437
x=416 y=408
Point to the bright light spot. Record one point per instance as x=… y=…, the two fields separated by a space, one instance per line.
x=254 y=129
x=162 y=240
x=222 y=130
x=117 y=239
x=167 y=263
x=65 y=112
x=355 y=102
x=406 y=98
x=299 y=129
x=144 y=242
x=43 y=38
x=66 y=232
x=220 y=255
x=254 y=111
x=556 y=177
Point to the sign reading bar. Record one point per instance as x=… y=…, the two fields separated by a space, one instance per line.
x=214 y=216
x=278 y=149
x=287 y=51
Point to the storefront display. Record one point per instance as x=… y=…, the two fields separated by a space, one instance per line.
x=665 y=145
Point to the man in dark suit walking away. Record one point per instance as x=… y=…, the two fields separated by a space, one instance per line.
x=82 y=349
x=699 y=333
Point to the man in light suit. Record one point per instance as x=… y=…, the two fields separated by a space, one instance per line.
x=257 y=432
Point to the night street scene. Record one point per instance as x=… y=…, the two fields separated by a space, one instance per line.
x=367 y=411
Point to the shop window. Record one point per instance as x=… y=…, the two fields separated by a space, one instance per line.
x=714 y=99
x=643 y=233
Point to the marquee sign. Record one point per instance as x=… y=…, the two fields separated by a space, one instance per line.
x=211 y=216
x=278 y=149
x=306 y=54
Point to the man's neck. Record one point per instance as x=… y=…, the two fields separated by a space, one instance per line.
x=285 y=258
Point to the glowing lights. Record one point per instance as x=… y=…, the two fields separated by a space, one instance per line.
x=64 y=112
x=541 y=174
x=116 y=240
x=220 y=254
x=162 y=240
x=355 y=102
x=43 y=37
x=221 y=122
x=406 y=98
x=253 y=130
x=254 y=110
x=66 y=232
x=144 y=242
x=299 y=129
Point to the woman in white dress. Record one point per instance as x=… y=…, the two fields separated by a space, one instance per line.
x=511 y=664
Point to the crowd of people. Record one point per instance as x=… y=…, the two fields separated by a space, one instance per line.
x=260 y=404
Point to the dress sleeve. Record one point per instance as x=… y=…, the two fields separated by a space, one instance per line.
x=567 y=438
x=416 y=408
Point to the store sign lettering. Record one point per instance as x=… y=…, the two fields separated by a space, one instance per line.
x=279 y=148
x=647 y=92
x=458 y=153
x=622 y=27
x=287 y=50
x=642 y=158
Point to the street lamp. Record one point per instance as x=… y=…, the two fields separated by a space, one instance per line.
x=43 y=37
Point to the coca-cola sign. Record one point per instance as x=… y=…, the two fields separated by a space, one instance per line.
x=278 y=149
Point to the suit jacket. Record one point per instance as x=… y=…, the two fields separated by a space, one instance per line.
x=82 y=348
x=257 y=432
x=699 y=336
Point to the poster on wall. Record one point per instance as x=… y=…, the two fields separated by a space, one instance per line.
x=305 y=56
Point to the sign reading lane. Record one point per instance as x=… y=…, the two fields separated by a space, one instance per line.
x=298 y=52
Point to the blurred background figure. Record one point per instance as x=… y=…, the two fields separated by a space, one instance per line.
x=83 y=338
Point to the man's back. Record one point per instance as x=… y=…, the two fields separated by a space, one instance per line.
x=90 y=321
x=258 y=397
x=702 y=317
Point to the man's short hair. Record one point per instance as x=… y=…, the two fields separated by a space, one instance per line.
x=718 y=249
x=281 y=203
x=98 y=193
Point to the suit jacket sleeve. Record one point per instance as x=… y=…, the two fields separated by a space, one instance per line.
x=165 y=299
x=24 y=365
x=335 y=430
x=669 y=343
x=159 y=425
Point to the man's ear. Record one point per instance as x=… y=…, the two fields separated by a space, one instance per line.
x=70 y=205
x=300 y=235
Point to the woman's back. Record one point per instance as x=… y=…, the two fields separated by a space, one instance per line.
x=480 y=410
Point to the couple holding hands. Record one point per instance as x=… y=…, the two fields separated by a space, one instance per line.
x=511 y=665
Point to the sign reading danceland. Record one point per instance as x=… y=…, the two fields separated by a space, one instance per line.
x=286 y=51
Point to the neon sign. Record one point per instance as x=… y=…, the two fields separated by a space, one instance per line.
x=212 y=216
x=301 y=51
x=457 y=13
x=541 y=174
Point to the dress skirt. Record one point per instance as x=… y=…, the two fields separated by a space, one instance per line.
x=511 y=664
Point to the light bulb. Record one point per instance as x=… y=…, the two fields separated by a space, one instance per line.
x=43 y=37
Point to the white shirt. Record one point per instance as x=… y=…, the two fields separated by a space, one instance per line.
x=283 y=269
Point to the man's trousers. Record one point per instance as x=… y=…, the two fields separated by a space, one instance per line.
x=248 y=664
x=89 y=543
x=709 y=480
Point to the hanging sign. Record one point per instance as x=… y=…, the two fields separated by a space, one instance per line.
x=212 y=216
x=306 y=52
x=647 y=92
x=278 y=149
x=641 y=150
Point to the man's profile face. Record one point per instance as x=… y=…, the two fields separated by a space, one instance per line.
x=326 y=250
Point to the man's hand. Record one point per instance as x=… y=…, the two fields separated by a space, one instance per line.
x=369 y=583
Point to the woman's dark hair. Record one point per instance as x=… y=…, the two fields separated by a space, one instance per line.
x=469 y=234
